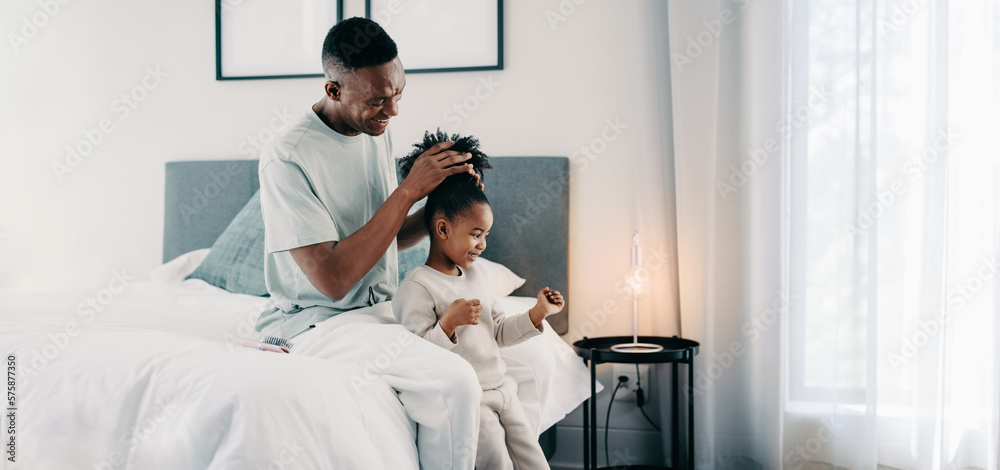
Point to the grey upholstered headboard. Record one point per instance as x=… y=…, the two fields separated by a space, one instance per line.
x=529 y=195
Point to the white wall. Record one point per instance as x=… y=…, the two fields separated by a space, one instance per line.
x=560 y=86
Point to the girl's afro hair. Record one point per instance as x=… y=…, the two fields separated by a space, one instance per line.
x=466 y=144
x=458 y=193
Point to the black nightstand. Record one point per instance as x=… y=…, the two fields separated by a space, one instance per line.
x=676 y=350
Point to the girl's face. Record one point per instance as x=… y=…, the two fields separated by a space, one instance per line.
x=463 y=239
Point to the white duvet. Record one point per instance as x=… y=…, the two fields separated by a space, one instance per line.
x=153 y=377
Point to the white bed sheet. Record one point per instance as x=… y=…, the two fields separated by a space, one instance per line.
x=153 y=377
x=151 y=382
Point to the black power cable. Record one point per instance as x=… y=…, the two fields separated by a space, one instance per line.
x=621 y=381
x=640 y=399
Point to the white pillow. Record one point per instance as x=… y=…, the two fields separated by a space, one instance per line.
x=179 y=268
x=502 y=279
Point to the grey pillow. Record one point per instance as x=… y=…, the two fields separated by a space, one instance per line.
x=417 y=254
x=236 y=260
x=413 y=257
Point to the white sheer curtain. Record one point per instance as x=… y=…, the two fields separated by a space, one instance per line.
x=838 y=214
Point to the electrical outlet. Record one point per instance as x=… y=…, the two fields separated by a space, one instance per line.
x=627 y=391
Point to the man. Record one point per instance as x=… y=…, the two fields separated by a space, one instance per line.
x=334 y=219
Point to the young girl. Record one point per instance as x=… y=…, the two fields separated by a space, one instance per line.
x=448 y=301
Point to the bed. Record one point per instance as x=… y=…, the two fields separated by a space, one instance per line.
x=141 y=374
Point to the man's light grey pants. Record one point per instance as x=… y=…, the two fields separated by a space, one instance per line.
x=438 y=389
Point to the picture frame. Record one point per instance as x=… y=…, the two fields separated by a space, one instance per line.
x=479 y=24
x=270 y=39
x=275 y=39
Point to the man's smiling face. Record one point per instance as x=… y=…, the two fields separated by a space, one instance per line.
x=369 y=97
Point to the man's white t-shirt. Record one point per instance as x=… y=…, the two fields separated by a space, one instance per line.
x=316 y=186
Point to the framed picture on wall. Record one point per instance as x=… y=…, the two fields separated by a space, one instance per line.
x=443 y=35
x=258 y=39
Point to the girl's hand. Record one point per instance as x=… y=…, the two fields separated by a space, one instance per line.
x=461 y=312
x=549 y=302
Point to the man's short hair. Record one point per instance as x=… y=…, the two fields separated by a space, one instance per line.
x=355 y=43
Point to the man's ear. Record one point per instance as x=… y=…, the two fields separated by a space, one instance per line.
x=332 y=89
x=441 y=228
